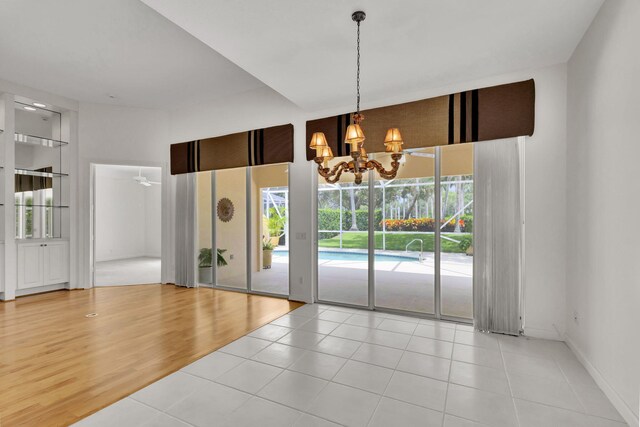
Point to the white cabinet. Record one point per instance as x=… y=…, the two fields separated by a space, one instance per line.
x=55 y=265
x=42 y=263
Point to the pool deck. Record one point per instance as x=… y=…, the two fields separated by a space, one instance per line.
x=403 y=285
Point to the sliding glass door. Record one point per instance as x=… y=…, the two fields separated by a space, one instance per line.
x=270 y=229
x=231 y=227
x=404 y=254
x=456 y=237
x=343 y=241
x=403 y=244
x=243 y=229
x=204 y=220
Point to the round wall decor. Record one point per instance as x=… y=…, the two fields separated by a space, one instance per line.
x=225 y=209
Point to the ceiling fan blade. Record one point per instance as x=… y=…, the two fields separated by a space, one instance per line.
x=419 y=154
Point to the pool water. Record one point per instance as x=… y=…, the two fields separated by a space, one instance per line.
x=355 y=256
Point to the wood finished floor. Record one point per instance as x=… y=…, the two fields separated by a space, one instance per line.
x=57 y=366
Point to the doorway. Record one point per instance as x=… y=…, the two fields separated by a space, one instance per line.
x=404 y=244
x=127 y=206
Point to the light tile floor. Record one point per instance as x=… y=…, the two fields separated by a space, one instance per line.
x=326 y=366
x=129 y=271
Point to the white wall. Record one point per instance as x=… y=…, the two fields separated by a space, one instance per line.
x=123 y=136
x=603 y=200
x=153 y=221
x=545 y=209
x=127 y=214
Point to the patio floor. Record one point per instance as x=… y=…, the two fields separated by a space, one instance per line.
x=402 y=285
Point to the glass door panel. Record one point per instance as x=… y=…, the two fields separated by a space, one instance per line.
x=231 y=227
x=404 y=234
x=203 y=215
x=270 y=229
x=456 y=228
x=343 y=240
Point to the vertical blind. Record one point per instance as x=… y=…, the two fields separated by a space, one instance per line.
x=497 y=238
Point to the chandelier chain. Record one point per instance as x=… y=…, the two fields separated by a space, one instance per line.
x=358 y=71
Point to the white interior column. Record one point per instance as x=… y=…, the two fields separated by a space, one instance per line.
x=301 y=192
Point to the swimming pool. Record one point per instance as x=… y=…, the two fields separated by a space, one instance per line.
x=355 y=256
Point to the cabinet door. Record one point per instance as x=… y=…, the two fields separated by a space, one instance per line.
x=29 y=265
x=56 y=263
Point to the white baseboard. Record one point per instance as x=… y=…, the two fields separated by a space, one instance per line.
x=40 y=289
x=300 y=298
x=614 y=397
x=546 y=334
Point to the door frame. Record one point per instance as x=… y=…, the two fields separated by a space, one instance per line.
x=437 y=314
x=92 y=211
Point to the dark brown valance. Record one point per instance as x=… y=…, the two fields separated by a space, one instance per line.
x=256 y=147
x=496 y=112
x=27 y=182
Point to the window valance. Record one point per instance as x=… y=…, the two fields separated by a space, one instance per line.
x=255 y=147
x=490 y=113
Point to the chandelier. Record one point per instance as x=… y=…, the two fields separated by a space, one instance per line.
x=355 y=139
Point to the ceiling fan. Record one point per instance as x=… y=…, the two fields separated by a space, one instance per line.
x=420 y=153
x=143 y=180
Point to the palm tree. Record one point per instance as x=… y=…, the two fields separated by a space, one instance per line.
x=354 y=216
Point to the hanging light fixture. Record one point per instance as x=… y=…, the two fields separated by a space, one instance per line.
x=354 y=137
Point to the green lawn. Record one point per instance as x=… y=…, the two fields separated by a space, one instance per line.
x=395 y=242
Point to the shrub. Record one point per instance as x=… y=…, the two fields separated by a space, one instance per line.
x=450 y=225
x=467 y=223
x=276 y=223
x=411 y=224
x=329 y=219
x=421 y=224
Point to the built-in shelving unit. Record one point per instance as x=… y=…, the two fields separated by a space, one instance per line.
x=38 y=141
x=35 y=195
x=39 y=173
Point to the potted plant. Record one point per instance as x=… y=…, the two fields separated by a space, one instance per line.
x=267 y=253
x=205 y=263
x=276 y=224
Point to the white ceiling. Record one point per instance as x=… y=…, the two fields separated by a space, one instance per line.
x=305 y=49
x=205 y=50
x=90 y=49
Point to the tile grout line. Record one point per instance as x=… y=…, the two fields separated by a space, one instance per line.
x=386 y=387
x=446 y=395
x=513 y=401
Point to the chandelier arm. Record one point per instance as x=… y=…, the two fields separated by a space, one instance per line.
x=384 y=173
x=332 y=175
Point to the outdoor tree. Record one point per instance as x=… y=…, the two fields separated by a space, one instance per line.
x=354 y=217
